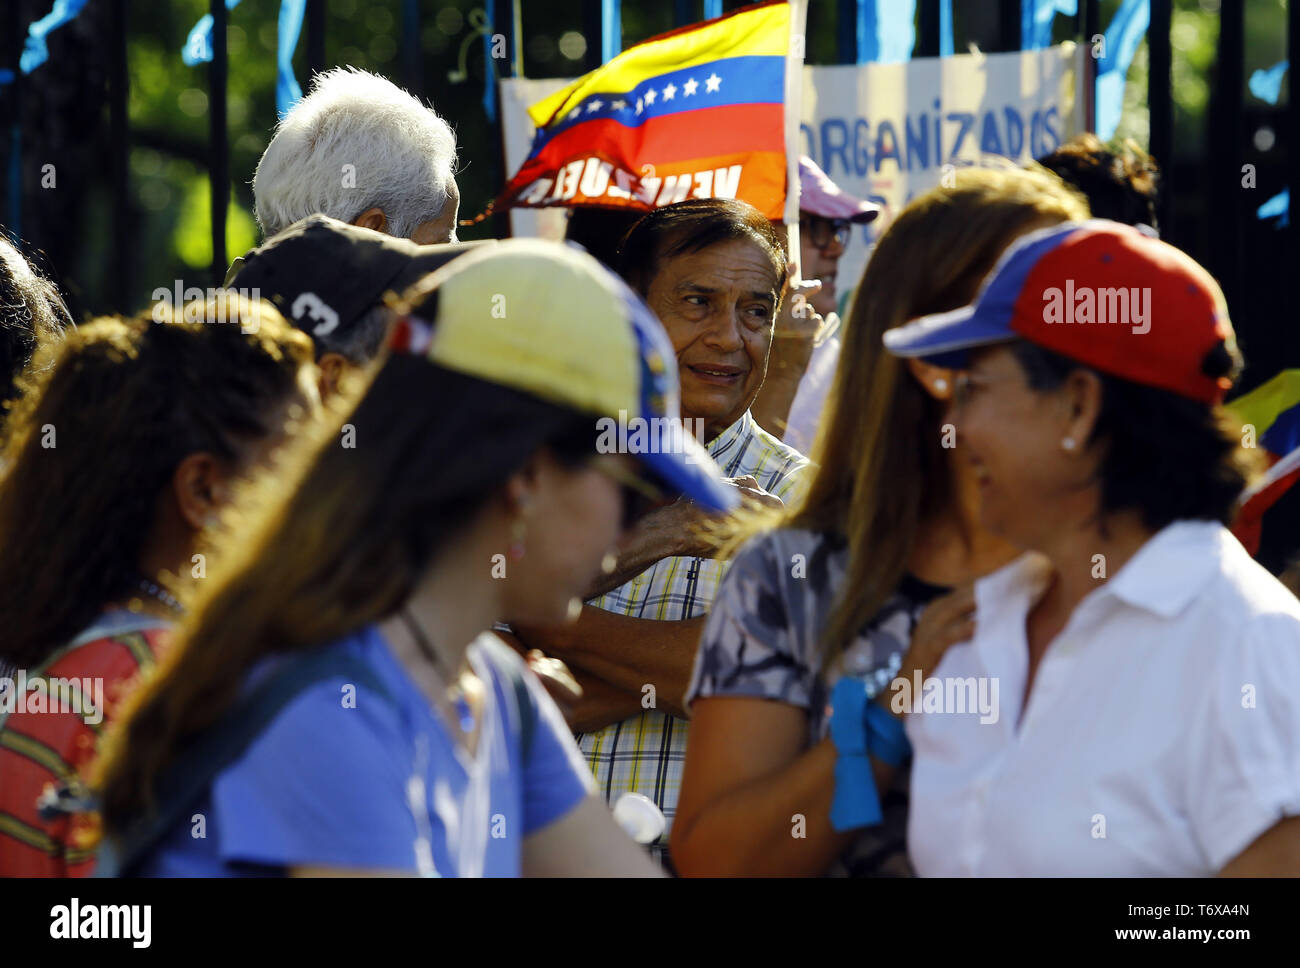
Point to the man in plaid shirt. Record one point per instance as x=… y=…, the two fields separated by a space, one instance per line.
x=714 y=272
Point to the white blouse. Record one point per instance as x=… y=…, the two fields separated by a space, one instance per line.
x=1162 y=735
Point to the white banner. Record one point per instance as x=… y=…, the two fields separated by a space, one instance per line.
x=886 y=131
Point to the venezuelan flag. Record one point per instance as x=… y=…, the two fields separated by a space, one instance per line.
x=697 y=112
x=1273 y=410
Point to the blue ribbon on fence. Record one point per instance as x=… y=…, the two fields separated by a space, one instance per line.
x=1122 y=39
x=198 y=49
x=1267 y=84
x=886 y=30
x=611 y=29
x=287 y=91
x=1279 y=204
x=1036 y=17
x=35 y=52
x=490 y=70
x=198 y=45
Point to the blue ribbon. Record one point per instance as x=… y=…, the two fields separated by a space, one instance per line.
x=490 y=67
x=1267 y=84
x=198 y=45
x=945 y=28
x=712 y=9
x=1279 y=204
x=886 y=31
x=287 y=91
x=35 y=52
x=1122 y=39
x=860 y=730
x=1036 y=18
x=611 y=29
x=198 y=49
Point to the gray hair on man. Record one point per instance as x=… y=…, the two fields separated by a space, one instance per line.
x=360 y=149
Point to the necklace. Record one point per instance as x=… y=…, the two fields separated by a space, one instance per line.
x=463 y=711
x=161 y=595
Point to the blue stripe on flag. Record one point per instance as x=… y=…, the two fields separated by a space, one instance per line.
x=1283 y=436
x=755 y=79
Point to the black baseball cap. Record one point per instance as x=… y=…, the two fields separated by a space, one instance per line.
x=324 y=275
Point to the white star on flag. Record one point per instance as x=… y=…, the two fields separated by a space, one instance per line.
x=595 y=105
x=690 y=86
x=669 y=91
x=650 y=96
x=711 y=83
x=619 y=105
x=639 y=105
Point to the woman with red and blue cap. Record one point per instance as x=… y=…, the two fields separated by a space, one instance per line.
x=1143 y=668
x=335 y=703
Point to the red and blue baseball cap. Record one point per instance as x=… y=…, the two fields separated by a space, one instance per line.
x=1098 y=292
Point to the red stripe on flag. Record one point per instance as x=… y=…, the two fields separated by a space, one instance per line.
x=1248 y=526
x=759 y=180
x=672 y=138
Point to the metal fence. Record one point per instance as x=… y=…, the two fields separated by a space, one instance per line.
x=1218 y=227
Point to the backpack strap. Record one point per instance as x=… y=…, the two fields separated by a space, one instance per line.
x=184 y=782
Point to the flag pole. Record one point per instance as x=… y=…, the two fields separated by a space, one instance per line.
x=793 y=109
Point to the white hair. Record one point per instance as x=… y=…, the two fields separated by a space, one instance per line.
x=356 y=141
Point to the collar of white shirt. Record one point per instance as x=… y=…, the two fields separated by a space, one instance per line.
x=1163 y=577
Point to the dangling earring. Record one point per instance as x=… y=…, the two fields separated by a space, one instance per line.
x=518 y=531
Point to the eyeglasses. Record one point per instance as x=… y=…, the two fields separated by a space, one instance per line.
x=639 y=495
x=822 y=231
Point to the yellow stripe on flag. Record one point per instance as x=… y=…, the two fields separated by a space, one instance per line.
x=1263 y=405
x=756 y=31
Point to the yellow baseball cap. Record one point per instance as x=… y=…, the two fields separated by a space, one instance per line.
x=549 y=320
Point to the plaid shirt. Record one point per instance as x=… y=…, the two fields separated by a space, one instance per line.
x=645 y=754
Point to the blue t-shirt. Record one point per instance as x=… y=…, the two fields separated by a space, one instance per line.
x=346 y=778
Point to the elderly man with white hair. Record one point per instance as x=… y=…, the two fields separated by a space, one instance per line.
x=360 y=149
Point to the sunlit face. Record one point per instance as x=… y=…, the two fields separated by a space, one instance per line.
x=574 y=522
x=1011 y=435
x=718 y=306
x=443 y=228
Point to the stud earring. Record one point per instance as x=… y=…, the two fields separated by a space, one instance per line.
x=518 y=531
x=941 y=386
x=1068 y=443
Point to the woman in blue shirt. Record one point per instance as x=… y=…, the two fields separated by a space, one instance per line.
x=334 y=703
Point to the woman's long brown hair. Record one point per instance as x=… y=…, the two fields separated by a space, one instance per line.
x=105 y=416
x=336 y=539
x=880 y=468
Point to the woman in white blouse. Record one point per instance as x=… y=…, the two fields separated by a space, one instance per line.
x=1148 y=671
